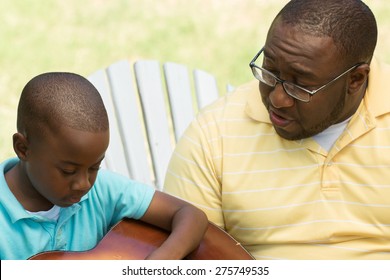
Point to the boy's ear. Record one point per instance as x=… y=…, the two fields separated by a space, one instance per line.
x=20 y=144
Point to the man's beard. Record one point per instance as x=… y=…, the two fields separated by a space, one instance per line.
x=332 y=118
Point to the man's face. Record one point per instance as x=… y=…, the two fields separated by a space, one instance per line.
x=63 y=167
x=309 y=62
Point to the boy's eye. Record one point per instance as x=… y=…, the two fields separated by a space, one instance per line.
x=68 y=171
x=94 y=169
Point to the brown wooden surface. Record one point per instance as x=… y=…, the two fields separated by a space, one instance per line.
x=134 y=240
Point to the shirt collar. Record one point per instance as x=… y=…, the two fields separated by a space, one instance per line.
x=377 y=93
x=254 y=106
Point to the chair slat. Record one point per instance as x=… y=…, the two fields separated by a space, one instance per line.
x=148 y=77
x=114 y=159
x=180 y=96
x=129 y=117
x=206 y=88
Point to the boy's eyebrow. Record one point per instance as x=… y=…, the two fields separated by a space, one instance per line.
x=68 y=162
x=78 y=164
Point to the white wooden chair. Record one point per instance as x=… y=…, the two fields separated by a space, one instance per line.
x=149 y=107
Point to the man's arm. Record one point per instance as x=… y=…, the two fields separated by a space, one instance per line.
x=195 y=169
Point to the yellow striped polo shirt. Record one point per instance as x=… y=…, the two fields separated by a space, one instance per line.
x=286 y=199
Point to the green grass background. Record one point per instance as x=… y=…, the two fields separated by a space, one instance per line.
x=82 y=36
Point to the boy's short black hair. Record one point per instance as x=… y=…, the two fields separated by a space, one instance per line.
x=55 y=99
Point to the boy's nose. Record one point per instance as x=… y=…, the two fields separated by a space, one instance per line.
x=82 y=183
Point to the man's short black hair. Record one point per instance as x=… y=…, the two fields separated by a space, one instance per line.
x=350 y=23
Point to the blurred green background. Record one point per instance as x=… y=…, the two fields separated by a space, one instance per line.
x=219 y=37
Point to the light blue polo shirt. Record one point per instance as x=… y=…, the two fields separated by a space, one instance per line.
x=79 y=227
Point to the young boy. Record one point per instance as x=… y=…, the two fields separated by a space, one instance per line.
x=52 y=195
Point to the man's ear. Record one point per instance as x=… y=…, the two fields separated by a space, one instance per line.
x=20 y=144
x=358 y=78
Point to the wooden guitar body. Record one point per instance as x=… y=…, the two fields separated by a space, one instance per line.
x=134 y=240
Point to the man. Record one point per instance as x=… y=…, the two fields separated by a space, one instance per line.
x=306 y=176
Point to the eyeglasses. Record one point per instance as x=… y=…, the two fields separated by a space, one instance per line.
x=291 y=89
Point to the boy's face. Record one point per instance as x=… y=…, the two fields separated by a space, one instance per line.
x=63 y=167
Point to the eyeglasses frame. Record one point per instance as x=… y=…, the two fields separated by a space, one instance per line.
x=252 y=65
